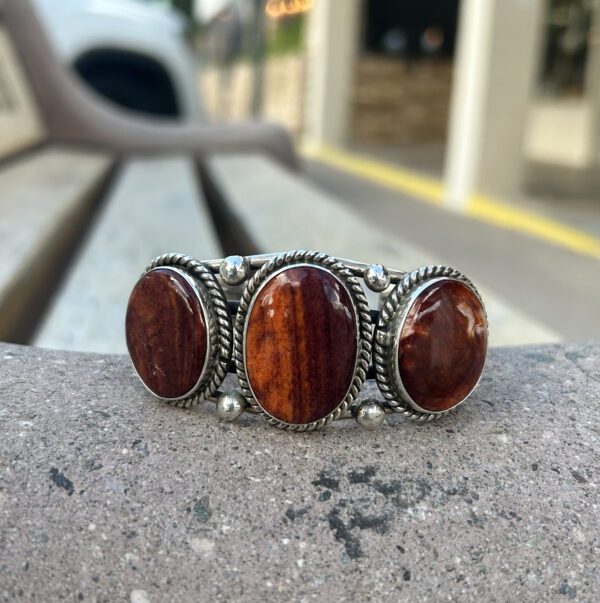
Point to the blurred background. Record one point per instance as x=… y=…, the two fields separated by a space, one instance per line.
x=469 y=130
x=490 y=109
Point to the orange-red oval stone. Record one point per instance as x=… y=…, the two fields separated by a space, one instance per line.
x=166 y=333
x=301 y=344
x=443 y=345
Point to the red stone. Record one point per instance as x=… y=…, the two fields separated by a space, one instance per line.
x=166 y=333
x=443 y=345
x=301 y=344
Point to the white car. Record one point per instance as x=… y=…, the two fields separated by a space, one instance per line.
x=133 y=53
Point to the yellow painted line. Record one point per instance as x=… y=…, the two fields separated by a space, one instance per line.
x=426 y=189
x=480 y=207
x=512 y=218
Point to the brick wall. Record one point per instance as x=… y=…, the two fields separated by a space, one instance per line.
x=392 y=102
x=395 y=102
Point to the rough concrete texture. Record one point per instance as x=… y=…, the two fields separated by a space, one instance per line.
x=107 y=494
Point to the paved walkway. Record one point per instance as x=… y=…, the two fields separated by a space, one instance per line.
x=558 y=287
x=557 y=193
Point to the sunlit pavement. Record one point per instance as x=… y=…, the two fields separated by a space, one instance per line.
x=558 y=193
x=559 y=287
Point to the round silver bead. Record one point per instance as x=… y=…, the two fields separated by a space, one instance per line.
x=230 y=405
x=234 y=270
x=377 y=278
x=369 y=414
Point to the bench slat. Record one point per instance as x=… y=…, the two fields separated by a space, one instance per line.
x=155 y=207
x=280 y=211
x=44 y=197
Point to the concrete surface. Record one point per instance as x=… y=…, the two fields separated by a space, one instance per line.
x=108 y=495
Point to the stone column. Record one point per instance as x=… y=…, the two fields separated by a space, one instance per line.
x=333 y=33
x=496 y=64
x=592 y=89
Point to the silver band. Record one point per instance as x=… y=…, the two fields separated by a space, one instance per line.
x=255 y=262
x=229 y=287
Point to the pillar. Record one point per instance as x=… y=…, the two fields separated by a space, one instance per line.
x=496 y=66
x=333 y=33
x=592 y=89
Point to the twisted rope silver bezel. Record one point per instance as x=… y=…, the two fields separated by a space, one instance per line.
x=384 y=357
x=364 y=335
x=218 y=323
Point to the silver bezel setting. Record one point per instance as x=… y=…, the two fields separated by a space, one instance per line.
x=389 y=330
x=344 y=275
x=218 y=326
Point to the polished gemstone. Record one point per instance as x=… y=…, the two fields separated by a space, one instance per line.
x=166 y=333
x=301 y=344
x=443 y=344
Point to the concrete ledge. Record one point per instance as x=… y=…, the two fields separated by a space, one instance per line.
x=106 y=494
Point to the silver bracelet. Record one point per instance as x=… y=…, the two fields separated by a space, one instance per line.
x=297 y=329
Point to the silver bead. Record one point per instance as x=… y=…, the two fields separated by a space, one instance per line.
x=369 y=414
x=377 y=278
x=230 y=405
x=234 y=270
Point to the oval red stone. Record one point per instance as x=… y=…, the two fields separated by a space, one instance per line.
x=166 y=333
x=301 y=344
x=443 y=345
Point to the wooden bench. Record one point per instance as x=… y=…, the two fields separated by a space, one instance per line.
x=143 y=179
x=154 y=205
x=90 y=194
x=45 y=197
x=263 y=208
